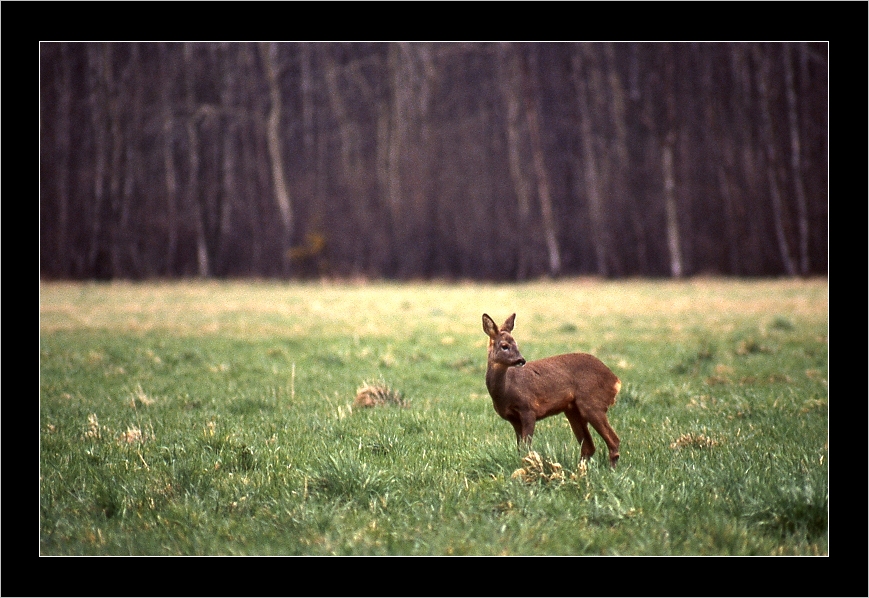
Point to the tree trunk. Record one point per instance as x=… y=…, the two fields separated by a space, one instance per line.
x=590 y=166
x=531 y=113
x=268 y=53
x=115 y=169
x=131 y=123
x=720 y=147
x=96 y=261
x=618 y=200
x=392 y=135
x=194 y=208
x=64 y=115
x=796 y=162
x=511 y=91
x=230 y=191
x=749 y=216
x=398 y=123
x=307 y=85
x=637 y=185
x=674 y=243
x=346 y=134
x=171 y=177
x=416 y=234
x=763 y=75
x=424 y=201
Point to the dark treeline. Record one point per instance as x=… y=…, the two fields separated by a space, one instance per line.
x=416 y=160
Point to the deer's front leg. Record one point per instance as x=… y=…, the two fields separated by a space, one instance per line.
x=524 y=431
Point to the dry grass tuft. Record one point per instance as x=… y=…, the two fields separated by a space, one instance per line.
x=94 y=430
x=581 y=470
x=140 y=396
x=539 y=469
x=133 y=435
x=694 y=441
x=536 y=468
x=375 y=394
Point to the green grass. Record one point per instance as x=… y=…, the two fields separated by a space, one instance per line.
x=218 y=418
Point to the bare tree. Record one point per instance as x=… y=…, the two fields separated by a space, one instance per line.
x=510 y=77
x=749 y=215
x=542 y=176
x=763 y=74
x=230 y=189
x=593 y=184
x=231 y=159
x=168 y=61
x=619 y=200
x=63 y=148
x=674 y=244
x=796 y=161
x=97 y=253
x=130 y=127
x=268 y=54
x=347 y=127
x=193 y=156
x=308 y=108
x=720 y=146
x=641 y=121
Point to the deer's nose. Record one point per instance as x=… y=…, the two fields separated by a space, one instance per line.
x=520 y=362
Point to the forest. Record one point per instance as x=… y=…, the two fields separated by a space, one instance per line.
x=485 y=161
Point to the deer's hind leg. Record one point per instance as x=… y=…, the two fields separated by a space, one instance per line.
x=598 y=420
x=579 y=425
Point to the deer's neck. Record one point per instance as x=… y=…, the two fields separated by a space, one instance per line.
x=496 y=382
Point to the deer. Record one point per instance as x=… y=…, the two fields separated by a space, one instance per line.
x=576 y=384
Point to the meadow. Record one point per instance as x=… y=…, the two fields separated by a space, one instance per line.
x=219 y=418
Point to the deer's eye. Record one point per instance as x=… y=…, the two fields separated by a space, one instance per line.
x=505 y=347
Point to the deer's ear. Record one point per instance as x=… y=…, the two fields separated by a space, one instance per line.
x=489 y=326
x=508 y=323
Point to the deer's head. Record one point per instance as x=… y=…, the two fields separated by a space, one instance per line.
x=503 y=349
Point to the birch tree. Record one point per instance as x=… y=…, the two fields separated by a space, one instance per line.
x=674 y=243
x=268 y=54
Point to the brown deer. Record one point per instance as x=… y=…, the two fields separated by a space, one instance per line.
x=576 y=384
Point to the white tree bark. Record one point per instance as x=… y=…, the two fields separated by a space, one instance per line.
x=268 y=52
x=674 y=244
x=203 y=266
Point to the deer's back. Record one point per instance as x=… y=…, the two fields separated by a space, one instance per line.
x=579 y=375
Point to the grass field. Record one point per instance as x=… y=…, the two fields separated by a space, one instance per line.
x=201 y=418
